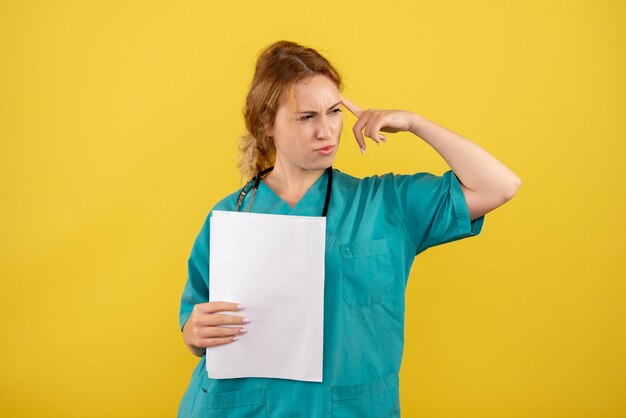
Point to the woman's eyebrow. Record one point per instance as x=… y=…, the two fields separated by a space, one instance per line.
x=311 y=111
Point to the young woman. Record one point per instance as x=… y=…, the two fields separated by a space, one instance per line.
x=375 y=228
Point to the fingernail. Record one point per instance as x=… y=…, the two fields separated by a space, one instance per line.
x=245 y=320
x=362 y=150
x=377 y=142
x=235 y=338
x=240 y=306
x=243 y=330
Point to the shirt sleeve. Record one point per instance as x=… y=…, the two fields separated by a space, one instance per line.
x=197 y=286
x=434 y=209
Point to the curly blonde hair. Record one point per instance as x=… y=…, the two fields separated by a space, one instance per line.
x=278 y=68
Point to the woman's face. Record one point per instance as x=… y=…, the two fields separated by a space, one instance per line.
x=307 y=136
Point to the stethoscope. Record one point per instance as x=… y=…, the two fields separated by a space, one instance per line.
x=256 y=180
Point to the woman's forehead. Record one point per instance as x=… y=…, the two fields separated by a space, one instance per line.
x=314 y=94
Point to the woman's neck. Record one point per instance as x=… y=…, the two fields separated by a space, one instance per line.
x=291 y=183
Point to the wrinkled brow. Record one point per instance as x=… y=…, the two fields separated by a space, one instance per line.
x=312 y=111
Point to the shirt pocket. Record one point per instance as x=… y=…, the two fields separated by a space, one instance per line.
x=366 y=272
x=243 y=403
x=377 y=398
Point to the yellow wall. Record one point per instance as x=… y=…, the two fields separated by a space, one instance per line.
x=118 y=127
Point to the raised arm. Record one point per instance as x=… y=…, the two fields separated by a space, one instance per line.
x=486 y=182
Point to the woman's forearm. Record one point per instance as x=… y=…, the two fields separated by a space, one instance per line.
x=477 y=170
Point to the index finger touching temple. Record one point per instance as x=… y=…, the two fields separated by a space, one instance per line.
x=354 y=109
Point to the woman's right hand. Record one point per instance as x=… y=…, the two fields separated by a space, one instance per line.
x=203 y=328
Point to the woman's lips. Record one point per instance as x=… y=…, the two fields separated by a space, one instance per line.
x=327 y=150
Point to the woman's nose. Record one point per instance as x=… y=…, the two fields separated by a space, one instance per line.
x=324 y=129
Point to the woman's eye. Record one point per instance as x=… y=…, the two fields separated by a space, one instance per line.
x=337 y=110
x=305 y=117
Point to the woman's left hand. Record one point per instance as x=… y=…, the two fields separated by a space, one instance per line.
x=375 y=120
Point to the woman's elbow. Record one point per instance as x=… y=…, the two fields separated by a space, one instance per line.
x=512 y=188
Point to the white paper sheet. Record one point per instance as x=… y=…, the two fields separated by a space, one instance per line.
x=274 y=266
